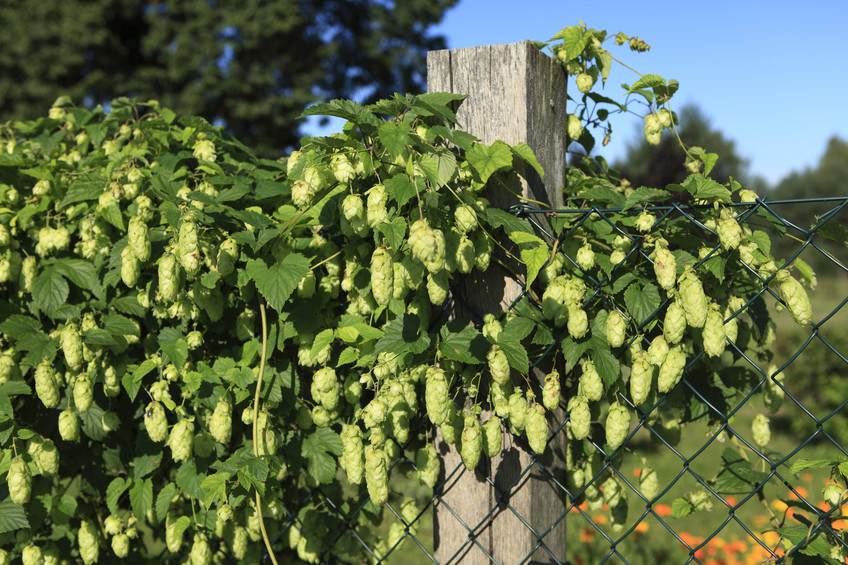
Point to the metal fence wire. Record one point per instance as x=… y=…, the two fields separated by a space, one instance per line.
x=811 y=423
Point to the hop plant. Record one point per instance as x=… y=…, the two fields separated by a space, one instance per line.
x=187 y=246
x=201 y=553
x=376 y=476
x=437 y=287
x=692 y=298
x=793 y=294
x=428 y=464
x=427 y=245
x=671 y=370
x=121 y=545
x=464 y=256
x=517 y=413
x=465 y=219
x=536 y=428
x=674 y=323
x=71 y=343
x=83 y=393
x=375 y=206
x=616 y=328
x=156 y=422
x=641 y=377
x=492 y=436
x=181 y=440
x=649 y=483
x=591 y=384
x=472 y=442
x=578 y=322
x=585 y=257
x=498 y=365
x=382 y=276
x=551 y=391
x=665 y=268
x=760 y=430
x=353 y=216
x=32 y=555
x=46 y=386
x=658 y=350
x=575 y=127
x=44 y=453
x=227 y=256
x=168 y=278
x=729 y=230
x=138 y=239
x=617 y=425
x=88 y=540
x=69 y=426
x=353 y=453
x=714 y=338
x=436 y=396
x=325 y=388
x=580 y=417
x=221 y=423
x=19 y=480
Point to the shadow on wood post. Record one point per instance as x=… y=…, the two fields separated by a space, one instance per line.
x=499 y=512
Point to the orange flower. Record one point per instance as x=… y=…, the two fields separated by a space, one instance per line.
x=586 y=535
x=637 y=472
x=806 y=477
x=600 y=519
x=662 y=510
x=801 y=492
x=642 y=527
x=731 y=500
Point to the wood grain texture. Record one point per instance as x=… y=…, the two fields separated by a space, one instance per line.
x=497 y=513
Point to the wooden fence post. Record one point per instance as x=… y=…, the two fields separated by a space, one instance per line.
x=515 y=94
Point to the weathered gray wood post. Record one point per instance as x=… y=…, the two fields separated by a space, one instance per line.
x=515 y=94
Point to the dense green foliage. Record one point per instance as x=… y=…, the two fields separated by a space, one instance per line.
x=200 y=348
x=254 y=66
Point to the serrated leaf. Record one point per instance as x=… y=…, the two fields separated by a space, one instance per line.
x=141 y=497
x=322 y=340
x=706 y=189
x=497 y=218
x=604 y=193
x=486 y=160
x=316 y=449
x=681 y=507
x=534 y=259
x=525 y=153
x=463 y=343
x=12 y=517
x=349 y=355
x=573 y=41
x=645 y=194
x=116 y=324
x=605 y=362
x=188 y=480
x=173 y=345
x=647 y=81
x=216 y=488
x=400 y=188
x=803 y=464
x=49 y=290
x=815 y=545
x=67 y=505
x=277 y=282
x=15 y=388
x=515 y=353
x=163 y=500
x=642 y=300
x=114 y=491
x=98 y=336
x=82 y=273
x=401 y=335
x=128 y=305
x=395 y=231
x=394 y=137
x=519 y=327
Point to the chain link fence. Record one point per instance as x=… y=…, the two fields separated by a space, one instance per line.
x=735 y=510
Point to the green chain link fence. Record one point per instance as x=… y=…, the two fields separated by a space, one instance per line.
x=813 y=419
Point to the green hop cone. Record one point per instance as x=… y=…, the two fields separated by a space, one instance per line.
x=168 y=278
x=483 y=247
x=649 y=483
x=536 y=428
x=760 y=430
x=772 y=391
x=375 y=206
x=714 y=338
x=83 y=393
x=492 y=436
x=590 y=381
x=428 y=464
x=574 y=128
x=181 y=440
x=376 y=477
x=5 y=559
x=580 y=417
x=325 y=388
x=616 y=328
x=138 y=240
x=796 y=300
x=121 y=545
x=498 y=365
x=499 y=396
x=382 y=276
x=436 y=396
x=665 y=268
x=617 y=425
x=641 y=377
x=32 y=555
x=201 y=553
x=517 y=412
x=19 y=481
x=156 y=422
x=88 y=540
x=472 y=442
x=551 y=391
x=729 y=232
x=113 y=525
x=46 y=385
x=693 y=299
x=584 y=82
x=342 y=168
x=585 y=257
x=578 y=322
x=657 y=351
x=174 y=530
x=352 y=459
x=69 y=426
x=239 y=542
x=221 y=423
x=653 y=129
x=71 y=343
x=353 y=216
x=674 y=323
x=227 y=256
x=43 y=452
x=437 y=287
x=188 y=250
x=671 y=371
x=451 y=428
x=465 y=219
x=465 y=255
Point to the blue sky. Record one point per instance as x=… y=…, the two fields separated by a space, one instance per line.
x=772 y=76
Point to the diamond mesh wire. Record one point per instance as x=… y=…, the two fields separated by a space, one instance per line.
x=810 y=425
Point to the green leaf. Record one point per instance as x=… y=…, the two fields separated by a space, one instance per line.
x=486 y=160
x=49 y=290
x=737 y=474
x=128 y=304
x=116 y=324
x=400 y=188
x=394 y=232
x=535 y=259
x=645 y=194
x=831 y=230
x=681 y=507
x=497 y=218
x=276 y=283
x=706 y=189
x=67 y=505
x=463 y=343
x=322 y=340
x=181 y=525
x=647 y=81
x=188 y=480
x=605 y=362
x=82 y=273
x=642 y=300
x=163 y=500
x=815 y=545
x=114 y=491
x=515 y=353
x=216 y=488
x=401 y=335
x=525 y=153
x=573 y=40
x=131 y=381
x=112 y=214
x=141 y=497
x=394 y=137
x=603 y=193
x=572 y=351
x=803 y=464
x=516 y=329
x=81 y=190
x=316 y=449
x=349 y=355
x=173 y=345
x=98 y=336
x=12 y=517
x=15 y=388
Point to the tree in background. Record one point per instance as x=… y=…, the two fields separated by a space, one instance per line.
x=663 y=164
x=251 y=65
